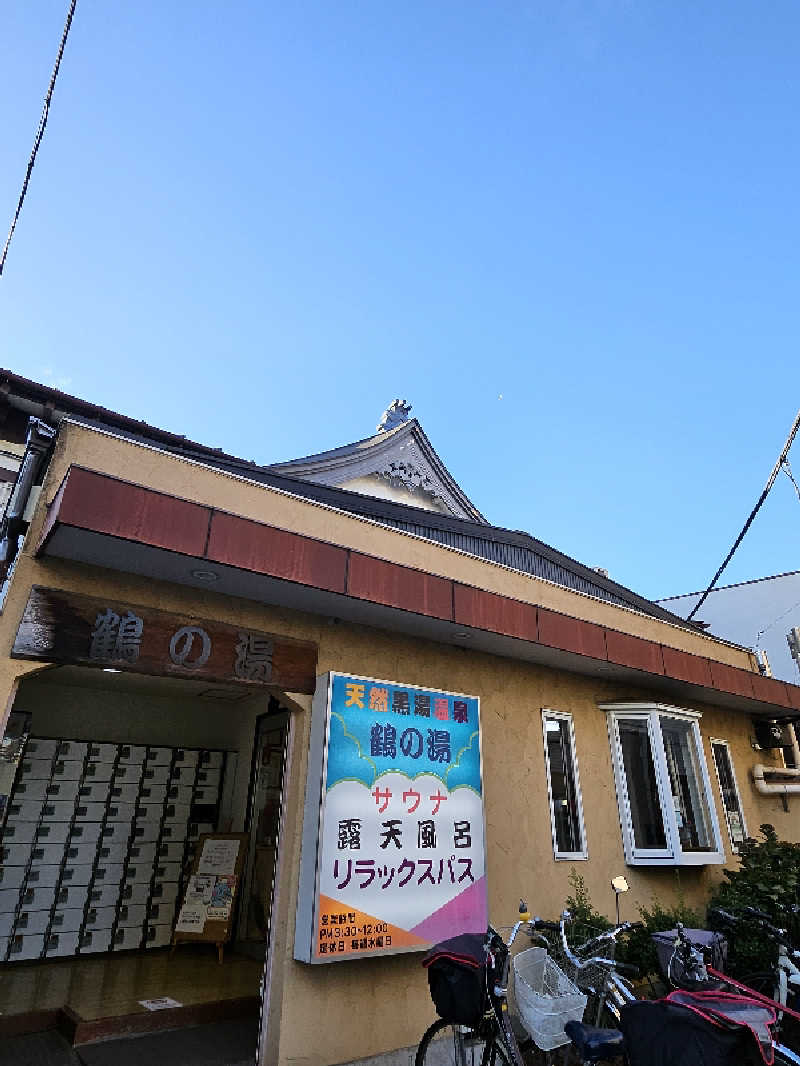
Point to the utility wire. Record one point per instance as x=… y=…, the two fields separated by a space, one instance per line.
x=39 y=132
x=782 y=462
x=788 y=471
x=774 y=622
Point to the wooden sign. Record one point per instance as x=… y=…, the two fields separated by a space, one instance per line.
x=207 y=909
x=63 y=627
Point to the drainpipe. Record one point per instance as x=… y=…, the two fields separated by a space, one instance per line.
x=794 y=745
x=788 y=783
x=39 y=440
x=788 y=787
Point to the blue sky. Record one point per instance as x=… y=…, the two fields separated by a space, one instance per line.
x=566 y=231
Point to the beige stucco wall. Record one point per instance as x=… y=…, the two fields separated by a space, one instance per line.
x=332 y=1014
x=389 y=997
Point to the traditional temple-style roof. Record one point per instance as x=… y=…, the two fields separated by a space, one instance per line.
x=462 y=528
x=398 y=455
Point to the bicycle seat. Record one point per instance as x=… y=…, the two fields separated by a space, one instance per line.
x=595 y=1044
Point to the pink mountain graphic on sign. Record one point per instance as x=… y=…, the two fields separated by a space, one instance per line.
x=467 y=913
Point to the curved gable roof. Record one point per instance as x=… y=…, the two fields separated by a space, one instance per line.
x=402 y=456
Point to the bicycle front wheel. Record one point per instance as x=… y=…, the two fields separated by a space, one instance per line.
x=456 y=1045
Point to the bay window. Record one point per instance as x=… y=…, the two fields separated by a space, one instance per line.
x=663 y=791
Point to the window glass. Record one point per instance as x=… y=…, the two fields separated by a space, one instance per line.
x=688 y=795
x=667 y=813
x=563 y=788
x=730 y=794
x=640 y=774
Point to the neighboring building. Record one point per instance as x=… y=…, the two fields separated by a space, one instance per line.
x=416 y=716
x=757 y=614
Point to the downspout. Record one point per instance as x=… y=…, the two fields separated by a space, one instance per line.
x=13 y=525
x=794 y=745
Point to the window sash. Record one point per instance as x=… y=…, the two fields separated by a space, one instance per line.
x=729 y=790
x=633 y=850
x=566 y=735
x=690 y=803
x=672 y=853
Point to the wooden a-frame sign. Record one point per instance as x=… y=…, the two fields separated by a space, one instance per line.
x=214 y=931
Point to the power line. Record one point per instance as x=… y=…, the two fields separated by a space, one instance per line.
x=788 y=471
x=782 y=462
x=39 y=132
x=774 y=622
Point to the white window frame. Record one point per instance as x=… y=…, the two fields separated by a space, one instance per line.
x=724 y=743
x=672 y=854
x=564 y=856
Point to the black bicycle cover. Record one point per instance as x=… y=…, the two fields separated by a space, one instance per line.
x=730 y=1008
x=662 y=1033
x=468 y=949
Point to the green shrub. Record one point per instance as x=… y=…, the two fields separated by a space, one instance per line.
x=768 y=878
x=638 y=947
x=586 y=921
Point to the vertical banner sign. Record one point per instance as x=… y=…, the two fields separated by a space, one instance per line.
x=393 y=841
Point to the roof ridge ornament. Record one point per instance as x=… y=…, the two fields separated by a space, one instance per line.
x=395 y=414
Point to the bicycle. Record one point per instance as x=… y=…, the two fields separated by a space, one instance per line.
x=608 y=982
x=784 y=976
x=489 y=1040
x=601 y=976
x=695 y=975
x=594 y=1044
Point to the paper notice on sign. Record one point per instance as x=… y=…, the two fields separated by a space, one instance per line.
x=219 y=908
x=735 y=823
x=162 y=1003
x=219 y=856
x=192 y=918
x=199 y=889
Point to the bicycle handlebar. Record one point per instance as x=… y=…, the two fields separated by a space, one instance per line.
x=540 y=923
x=725 y=917
x=760 y=917
x=754 y=912
x=592 y=946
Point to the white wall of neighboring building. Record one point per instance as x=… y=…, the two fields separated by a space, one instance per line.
x=757 y=614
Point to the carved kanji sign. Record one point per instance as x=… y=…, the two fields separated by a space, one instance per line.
x=63 y=627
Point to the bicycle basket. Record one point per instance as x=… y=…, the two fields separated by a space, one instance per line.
x=457 y=978
x=546 y=998
x=713 y=945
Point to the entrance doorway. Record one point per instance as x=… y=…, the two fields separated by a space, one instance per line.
x=119 y=776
